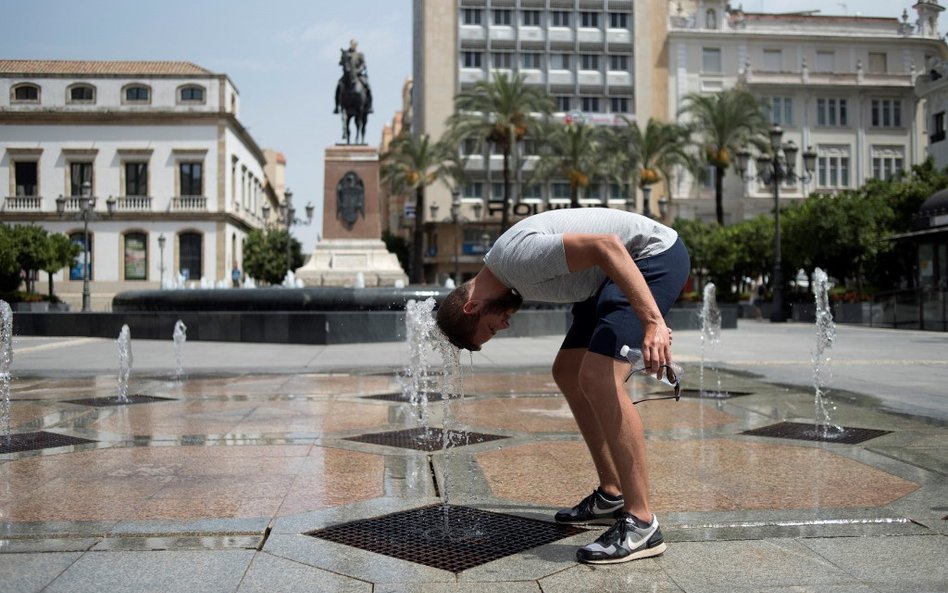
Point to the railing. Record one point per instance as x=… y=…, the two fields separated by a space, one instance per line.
x=189 y=204
x=133 y=203
x=23 y=204
x=74 y=203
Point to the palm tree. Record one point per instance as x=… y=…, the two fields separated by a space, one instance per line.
x=650 y=156
x=573 y=151
x=411 y=164
x=724 y=122
x=498 y=111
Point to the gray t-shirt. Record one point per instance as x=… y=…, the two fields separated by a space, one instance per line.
x=530 y=257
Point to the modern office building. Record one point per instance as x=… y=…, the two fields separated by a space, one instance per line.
x=156 y=150
x=841 y=84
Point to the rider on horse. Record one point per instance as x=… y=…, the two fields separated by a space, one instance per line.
x=356 y=61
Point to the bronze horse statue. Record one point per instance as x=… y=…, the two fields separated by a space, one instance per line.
x=353 y=101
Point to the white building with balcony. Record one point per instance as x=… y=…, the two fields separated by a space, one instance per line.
x=159 y=143
x=843 y=85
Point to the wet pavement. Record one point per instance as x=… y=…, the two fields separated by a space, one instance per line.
x=226 y=481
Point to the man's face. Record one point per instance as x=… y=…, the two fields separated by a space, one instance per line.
x=495 y=316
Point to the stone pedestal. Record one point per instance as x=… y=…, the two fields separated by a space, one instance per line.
x=351 y=240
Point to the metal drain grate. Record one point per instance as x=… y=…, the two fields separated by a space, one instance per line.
x=101 y=402
x=452 y=538
x=711 y=394
x=425 y=439
x=33 y=441
x=812 y=432
x=401 y=397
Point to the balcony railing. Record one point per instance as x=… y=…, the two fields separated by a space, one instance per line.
x=133 y=203
x=23 y=204
x=189 y=204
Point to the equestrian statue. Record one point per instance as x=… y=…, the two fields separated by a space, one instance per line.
x=353 y=94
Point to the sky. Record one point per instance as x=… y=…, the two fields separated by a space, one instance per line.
x=282 y=55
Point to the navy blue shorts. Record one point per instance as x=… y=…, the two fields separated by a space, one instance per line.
x=605 y=322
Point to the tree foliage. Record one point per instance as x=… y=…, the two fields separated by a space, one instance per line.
x=26 y=250
x=412 y=163
x=265 y=255
x=501 y=112
x=573 y=151
x=724 y=123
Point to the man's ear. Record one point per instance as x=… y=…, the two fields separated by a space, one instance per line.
x=471 y=307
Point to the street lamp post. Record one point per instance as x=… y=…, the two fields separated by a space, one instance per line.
x=86 y=203
x=772 y=169
x=161 y=260
x=288 y=218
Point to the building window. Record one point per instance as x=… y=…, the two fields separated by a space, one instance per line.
x=619 y=104
x=832 y=167
x=75 y=270
x=589 y=19
x=471 y=59
x=773 y=60
x=503 y=17
x=887 y=161
x=886 y=113
x=560 y=190
x=79 y=174
x=831 y=112
x=26 y=93
x=81 y=93
x=615 y=192
x=590 y=104
x=825 y=61
x=589 y=61
x=530 y=18
x=137 y=94
x=190 y=175
x=559 y=61
x=559 y=18
x=502 y=59
x=469 y=146
x=26 y=178
x=531 y=60
x=474 y=189
x=136 y=256
x=190 y=255
x=938 y=127
x=530 y=147
x=878 y=62
x=496 y=191
x=711 y=60
x=136 y=179
x=191 y=94
x=471 y=16
x=563 y=103
x=619 y=63
x=532 y=192
x=779 y=110
x=618 y=20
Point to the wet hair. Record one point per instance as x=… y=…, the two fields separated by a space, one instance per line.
x=458 y=327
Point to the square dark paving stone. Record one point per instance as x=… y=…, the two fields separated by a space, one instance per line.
x=811 y=432
x=34 y=441
x=448 y=537
x=425 y=439
x=102 y=402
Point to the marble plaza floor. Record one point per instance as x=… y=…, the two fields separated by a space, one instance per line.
x=218 y=481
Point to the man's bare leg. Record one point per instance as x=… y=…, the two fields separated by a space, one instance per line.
x=566 y=369
x=601 y=379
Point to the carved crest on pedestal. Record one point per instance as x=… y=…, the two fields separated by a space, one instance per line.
x=350 y=199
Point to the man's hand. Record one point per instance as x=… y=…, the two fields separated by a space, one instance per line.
x=656 y=348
